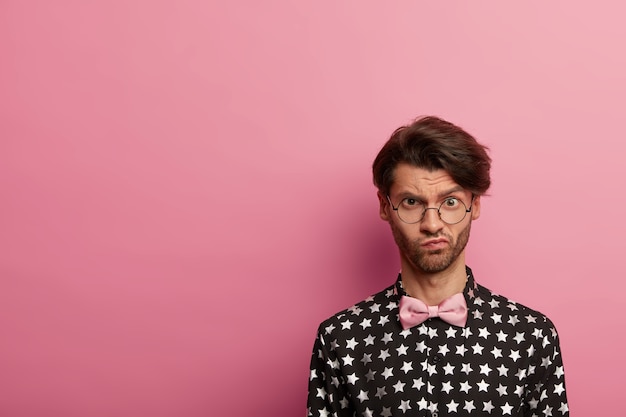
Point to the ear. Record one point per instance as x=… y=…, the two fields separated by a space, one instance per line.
x=476 y=208
x=384 y=206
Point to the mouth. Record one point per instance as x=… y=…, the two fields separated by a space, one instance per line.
x=434 y=244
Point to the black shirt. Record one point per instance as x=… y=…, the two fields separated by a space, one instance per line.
x=505 y=361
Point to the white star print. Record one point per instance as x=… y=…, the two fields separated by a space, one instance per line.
x=346 y=325
x=485 y=369
x=506 y=409
x=466 y=368
x=362 y=396
x=384 y=354
x=558 y=372
x=350 y=344
x=352 y=378
x=545 y=362
x=347 y=360
x=402 y=350
x=404 y=405
x=422 y=404
x=558 y=389
x=366 y=356
x=514 y=355
x=387 y=373
x=399 y=386
x=432 y=370
x=405 y=333
x=465 y=387
x=452 y=406
x=417 y=383
x=448 y=369
x=421 y=347
x=355 y=310
x=497 y=353
x=482 y=386
x=451 y=333
x=497 y=318
x=406 y=367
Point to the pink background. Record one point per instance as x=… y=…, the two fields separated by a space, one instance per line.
x=186 y=188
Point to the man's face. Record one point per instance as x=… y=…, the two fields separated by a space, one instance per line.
x=430 y=245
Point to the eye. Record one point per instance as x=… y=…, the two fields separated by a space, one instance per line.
x=451 y=202
x=411 y=203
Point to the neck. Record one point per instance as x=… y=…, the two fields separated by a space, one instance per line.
x=433 y=288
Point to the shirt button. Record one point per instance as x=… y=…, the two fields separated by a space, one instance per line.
x=437 y=358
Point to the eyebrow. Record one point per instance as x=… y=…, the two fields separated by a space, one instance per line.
x=453 y=190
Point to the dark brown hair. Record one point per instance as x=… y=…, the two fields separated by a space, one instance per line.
x=433 y=143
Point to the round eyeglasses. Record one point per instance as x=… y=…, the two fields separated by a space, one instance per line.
x=451 y=210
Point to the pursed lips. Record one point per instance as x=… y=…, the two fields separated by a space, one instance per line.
x=434 y=243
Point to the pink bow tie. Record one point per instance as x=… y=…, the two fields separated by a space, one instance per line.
x=452 y=310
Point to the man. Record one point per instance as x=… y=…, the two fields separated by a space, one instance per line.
x=435 y=343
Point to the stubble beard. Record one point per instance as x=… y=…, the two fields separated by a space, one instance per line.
x=431 y=261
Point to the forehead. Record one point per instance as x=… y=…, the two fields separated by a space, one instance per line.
x=409 y=179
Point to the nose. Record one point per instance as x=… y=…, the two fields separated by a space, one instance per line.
x=431 y=223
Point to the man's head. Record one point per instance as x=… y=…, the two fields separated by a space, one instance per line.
x=431 y=174
x=433 y=143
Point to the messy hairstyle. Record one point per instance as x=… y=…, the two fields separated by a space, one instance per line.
x=432 y=143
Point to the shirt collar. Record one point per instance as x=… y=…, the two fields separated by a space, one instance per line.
x=469 y=292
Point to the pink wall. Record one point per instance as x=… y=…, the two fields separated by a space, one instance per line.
x=186 y=188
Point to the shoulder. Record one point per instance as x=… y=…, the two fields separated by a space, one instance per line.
x=502 y=310
x=362 y=315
